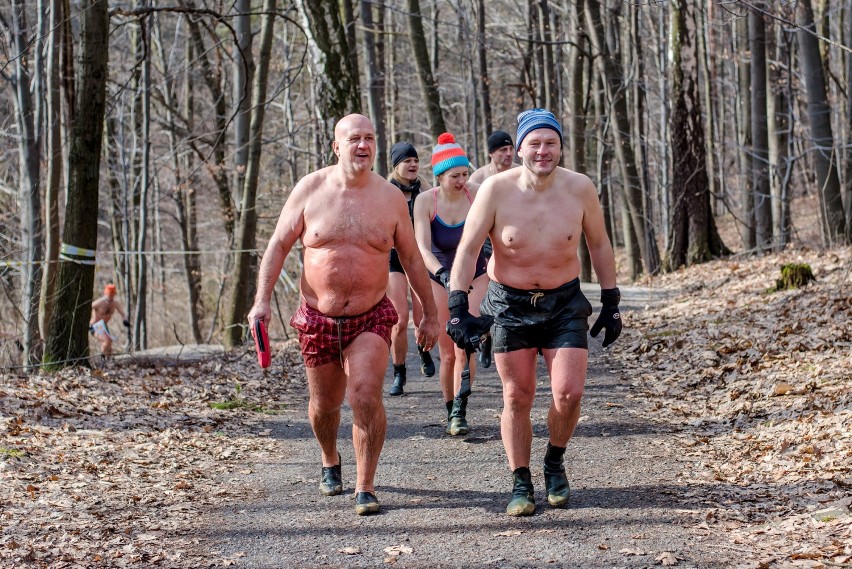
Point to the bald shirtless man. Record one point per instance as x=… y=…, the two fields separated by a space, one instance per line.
x=102 y=311
x=535 y=216
x=347 y=218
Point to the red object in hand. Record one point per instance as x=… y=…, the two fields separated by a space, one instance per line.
x=261 y=343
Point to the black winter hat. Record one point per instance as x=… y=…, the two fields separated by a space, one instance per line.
x=498 y=139
x=402 y=150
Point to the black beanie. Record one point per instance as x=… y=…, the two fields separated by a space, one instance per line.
x=498 y=139
x=402 y=150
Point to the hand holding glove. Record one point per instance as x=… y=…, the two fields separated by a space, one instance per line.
x=464 y=328
x=609 y=318
x=443 y=275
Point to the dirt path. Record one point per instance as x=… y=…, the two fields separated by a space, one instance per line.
x=443 y=498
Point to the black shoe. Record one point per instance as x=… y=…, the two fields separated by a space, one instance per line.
x=555 y=479
x=331 y=483
x=427 y=366
x=457 y=424
x=398 y=379
x=366 y=503
x=485 y=352
x=523 y=495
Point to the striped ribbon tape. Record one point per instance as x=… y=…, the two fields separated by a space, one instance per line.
x=77 y=255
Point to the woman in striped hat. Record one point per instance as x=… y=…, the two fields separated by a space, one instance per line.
x=439 y=216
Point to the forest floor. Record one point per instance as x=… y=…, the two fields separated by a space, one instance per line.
x=716 y=432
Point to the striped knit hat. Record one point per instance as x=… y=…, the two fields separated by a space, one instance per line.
x=447 y=154
x=533 y=119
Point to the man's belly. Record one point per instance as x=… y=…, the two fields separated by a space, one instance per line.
x=348 y=286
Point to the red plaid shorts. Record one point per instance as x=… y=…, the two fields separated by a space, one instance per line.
x=323 y=338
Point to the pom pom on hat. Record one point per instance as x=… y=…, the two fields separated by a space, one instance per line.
x=533 y=119
x=447 y=154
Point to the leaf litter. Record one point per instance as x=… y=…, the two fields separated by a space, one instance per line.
x=757 y=385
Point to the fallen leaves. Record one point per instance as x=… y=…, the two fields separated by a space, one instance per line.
x=112 y=467
x=760 y=385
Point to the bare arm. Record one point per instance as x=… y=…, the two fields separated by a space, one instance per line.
x=409 y=256
x=289 y=228
x=600 y=248
x=477 y=225
x=423 y=231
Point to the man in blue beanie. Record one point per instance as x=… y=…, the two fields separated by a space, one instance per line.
x=535 y=216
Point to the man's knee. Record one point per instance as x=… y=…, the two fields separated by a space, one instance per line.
x=518 y=397
x=568 y=396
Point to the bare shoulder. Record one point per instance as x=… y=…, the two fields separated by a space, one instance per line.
x=577 y=182
x=479 y=175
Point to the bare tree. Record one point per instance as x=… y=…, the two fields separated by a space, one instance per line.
x=428 y=85
x=30 y=180
x=759 y=129
x=246 y=232
x=67 y=340
x=834 y=231
x=695 y=238
x=375 y=86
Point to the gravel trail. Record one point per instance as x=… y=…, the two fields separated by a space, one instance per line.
x=443 y=498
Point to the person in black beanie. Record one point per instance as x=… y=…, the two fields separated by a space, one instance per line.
x=537 y=214
x=501 y=152
x=406 y=165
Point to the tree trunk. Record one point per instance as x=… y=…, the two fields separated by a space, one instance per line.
x=212 y=75
x=819 y=112
x=335 y=81
x=246 y=239
x=376 y=87
x=759 y=131
x=428 y=85
x=694 y=236
x=53 y=129
x=243 y=72
x=548 y=79
x=140 y=316
x=608 y=69
x=484 y=84
x=744 y=121
x=68 y=340
x=30 y=181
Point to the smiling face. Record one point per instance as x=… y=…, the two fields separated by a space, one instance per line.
x=355 y=143
x=407 y=169
x=540 y=151
x=454 y=179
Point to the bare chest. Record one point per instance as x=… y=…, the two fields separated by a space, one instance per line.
x=525 y=225
x=363 y=222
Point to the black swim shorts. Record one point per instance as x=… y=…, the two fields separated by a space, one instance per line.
x=395 y=266
x=553 y=318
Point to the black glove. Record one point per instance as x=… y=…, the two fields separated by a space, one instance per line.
x=91 y=330
x=443 y=275
x=609 y=318
x=126 y=323
x=464 y=328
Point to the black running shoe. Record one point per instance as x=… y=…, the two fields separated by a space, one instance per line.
x=366 y=503
x=523 y=495
x=398 y=380
x=331 y=482
x=427 y=366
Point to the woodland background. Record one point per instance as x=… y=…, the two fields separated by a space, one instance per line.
x=165 y=135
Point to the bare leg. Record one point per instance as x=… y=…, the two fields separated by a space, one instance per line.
x=567 y=367
x=365 y=362
x=327 y=388
x=397 y=292
x=517 y=372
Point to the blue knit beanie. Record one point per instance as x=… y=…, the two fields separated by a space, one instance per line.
x=532 y=119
